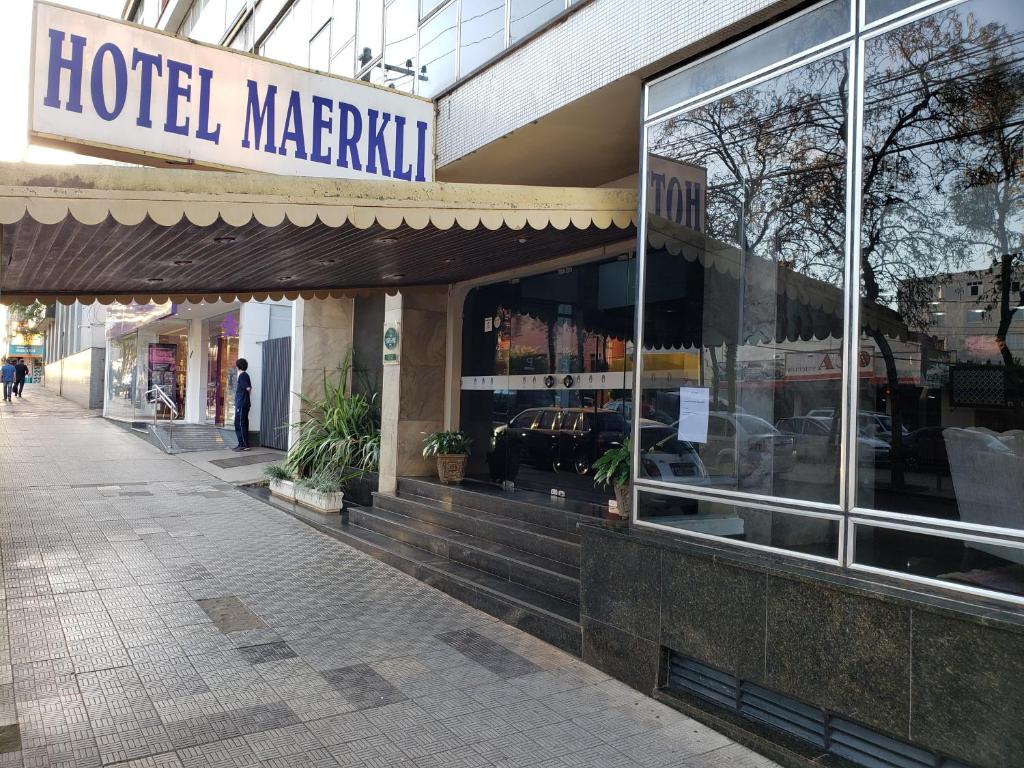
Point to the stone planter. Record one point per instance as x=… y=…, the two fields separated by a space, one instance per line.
x=624 y=498
x=451 y=467
x=327 y=503
x=283 y=489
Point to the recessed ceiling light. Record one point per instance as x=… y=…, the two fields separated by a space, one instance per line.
x=449 y=260
x=182 y=262
x=523 y=239
x=386 y=240
x=286 y=277
x=395 y=276
x=325 y=262
x=154 y=279
x=224 y=239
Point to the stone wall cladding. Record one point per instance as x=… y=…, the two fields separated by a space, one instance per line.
x=600 y=43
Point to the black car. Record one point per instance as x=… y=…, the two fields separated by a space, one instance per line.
x=562 y=439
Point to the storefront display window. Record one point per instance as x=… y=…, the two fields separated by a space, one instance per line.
x=868 y=410
x=221 y=334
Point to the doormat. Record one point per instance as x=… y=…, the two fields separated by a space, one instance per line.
x=241 y=461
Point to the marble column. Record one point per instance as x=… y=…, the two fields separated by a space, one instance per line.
x=413 y=392
x=321 y=338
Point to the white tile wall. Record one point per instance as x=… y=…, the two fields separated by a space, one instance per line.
x=602 y=42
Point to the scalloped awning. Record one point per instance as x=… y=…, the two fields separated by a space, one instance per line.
x=111 y=233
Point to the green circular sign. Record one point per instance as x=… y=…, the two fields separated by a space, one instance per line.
x=391 y=338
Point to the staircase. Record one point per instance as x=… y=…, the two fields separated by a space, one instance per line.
x=186 y=437
x=513 y=555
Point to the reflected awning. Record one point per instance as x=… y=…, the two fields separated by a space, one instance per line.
x=112 y=233
x=807 y=307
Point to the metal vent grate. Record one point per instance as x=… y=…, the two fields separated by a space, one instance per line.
x=866 y=747
x=783 y=712
x=856 y=743
x=704 y=681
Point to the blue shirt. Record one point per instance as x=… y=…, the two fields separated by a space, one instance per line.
x=7 y=373
x=242 y=388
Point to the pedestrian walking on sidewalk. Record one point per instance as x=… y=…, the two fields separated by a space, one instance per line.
x=7 y=377
x=243 y=401
x=20 y=372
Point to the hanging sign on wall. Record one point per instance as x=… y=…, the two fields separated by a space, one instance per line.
x=118 y=90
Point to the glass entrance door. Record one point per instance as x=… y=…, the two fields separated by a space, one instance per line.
x=547 y=375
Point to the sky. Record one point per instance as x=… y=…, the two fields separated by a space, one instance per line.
x=15 y=44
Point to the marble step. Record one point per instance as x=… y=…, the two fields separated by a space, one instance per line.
x=497 y=559
x=537 y=540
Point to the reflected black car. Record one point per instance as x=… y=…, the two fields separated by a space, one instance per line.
x=562 y=439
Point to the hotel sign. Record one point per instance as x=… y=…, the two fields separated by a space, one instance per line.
x=676 y=191
x=118 y=90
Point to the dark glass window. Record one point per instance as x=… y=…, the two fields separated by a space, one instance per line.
x=941 y=411
x=746 y=234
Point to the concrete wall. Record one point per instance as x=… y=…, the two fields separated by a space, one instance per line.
x=78 y=377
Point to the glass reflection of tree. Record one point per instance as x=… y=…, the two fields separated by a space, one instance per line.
x=942 y=169
x=775 y=156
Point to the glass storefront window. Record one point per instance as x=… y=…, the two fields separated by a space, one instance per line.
x=743 y=302
x=808 y=534
x=527 y=15
x=222 y=353
x=816 y=26
x=483 y=32
x=942 y=231
x=437 y=59
x=400 y=25
x=751 y=226
x=123 y=395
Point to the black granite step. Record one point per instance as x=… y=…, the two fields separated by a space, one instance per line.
x=563 y=515
x=518 y=566
x=543 y=542
x=552 y=620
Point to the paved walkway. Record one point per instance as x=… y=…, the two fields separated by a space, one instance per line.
x=157 y=617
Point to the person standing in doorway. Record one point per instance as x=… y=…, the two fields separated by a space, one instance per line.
x=20 y=373
x=7 y=378
x=243 y=392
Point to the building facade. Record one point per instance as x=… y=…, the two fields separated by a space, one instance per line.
x=826 y=549
x=75 y=352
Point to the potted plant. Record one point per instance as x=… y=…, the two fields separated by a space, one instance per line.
x=613 y=468
x=281 y=483
x=338 y=441
x=322 y=492
x=452 y=451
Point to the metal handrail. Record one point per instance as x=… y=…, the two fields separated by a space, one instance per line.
x=169 y=403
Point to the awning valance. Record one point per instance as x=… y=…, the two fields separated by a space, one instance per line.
x=142 y=234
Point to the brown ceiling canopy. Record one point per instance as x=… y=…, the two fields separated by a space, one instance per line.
x=111 y=233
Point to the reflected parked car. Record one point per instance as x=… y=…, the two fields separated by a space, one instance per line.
x=670 y=458
x=813 y=437
x=567 y=439
x=752 y=436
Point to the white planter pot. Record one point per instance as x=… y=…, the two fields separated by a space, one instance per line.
x=284 y=489
x=328 y=503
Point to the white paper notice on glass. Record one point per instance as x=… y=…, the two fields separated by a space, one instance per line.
x=693 y=414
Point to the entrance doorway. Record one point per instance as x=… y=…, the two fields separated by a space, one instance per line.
x=221 y=334
x=166 y=366
x=547 y=374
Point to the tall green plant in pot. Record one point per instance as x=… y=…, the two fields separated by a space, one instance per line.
x=614 y=468
x=338 y=437
x=452 y=452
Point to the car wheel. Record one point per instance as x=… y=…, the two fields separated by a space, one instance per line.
x=581 y=463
